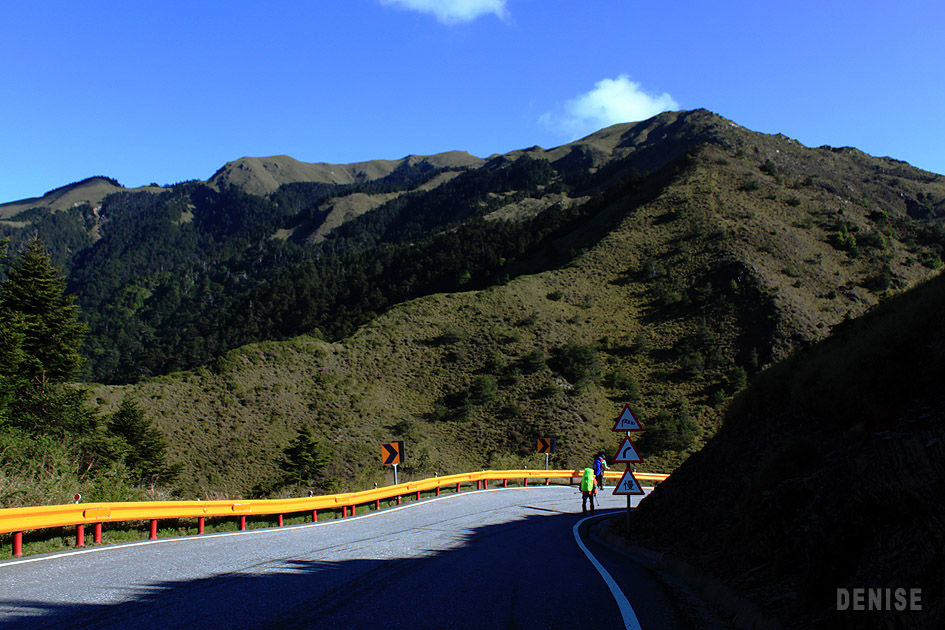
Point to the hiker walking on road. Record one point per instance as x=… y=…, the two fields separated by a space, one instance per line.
x=588 y=489
x=600 y=465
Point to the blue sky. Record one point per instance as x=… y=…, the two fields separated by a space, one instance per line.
x=171 y=91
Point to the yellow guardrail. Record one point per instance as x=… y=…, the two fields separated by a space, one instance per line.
x=18 y=520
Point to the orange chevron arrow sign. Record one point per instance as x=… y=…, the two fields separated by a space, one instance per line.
x=392 y=453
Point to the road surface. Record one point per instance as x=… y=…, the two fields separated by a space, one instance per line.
x=516 y=558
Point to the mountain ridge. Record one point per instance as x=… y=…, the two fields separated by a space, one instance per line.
x=263 y=175
x=725 y=258
x=680 y=255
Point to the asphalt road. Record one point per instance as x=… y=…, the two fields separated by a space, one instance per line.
x=512 y=558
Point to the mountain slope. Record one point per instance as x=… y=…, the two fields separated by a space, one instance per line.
x=680 y=284
x=663 y=262
x=827 y=474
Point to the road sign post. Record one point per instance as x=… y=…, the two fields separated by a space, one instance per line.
x=392 y=453
x=627 y=454
x=546 y=446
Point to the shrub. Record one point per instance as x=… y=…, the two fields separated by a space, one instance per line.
x=693 y=365
x=844 y=240
x=737 y=380
x=872 y=239
x=642 y=343
x=769 y=168
x=620 y=380
x=494 y=363
x=749 y=186
x=669 y=432
x=534 y=361
x=931 y=260
x=578 y=362
x=878 y=216
x=483 y=390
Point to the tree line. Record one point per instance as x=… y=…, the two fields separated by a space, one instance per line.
x=169 y=281
x=52 y=441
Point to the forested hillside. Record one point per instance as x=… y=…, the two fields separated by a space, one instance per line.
x=53 y=443
x=472 y=308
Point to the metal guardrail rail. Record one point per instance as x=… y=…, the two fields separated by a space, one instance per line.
x=18 y=520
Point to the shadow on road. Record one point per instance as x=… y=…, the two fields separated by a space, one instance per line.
x=527 y=573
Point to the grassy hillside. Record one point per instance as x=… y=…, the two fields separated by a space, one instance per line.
x=827 y=474
x=661 y=263
x=88 y=191
x=680 y=293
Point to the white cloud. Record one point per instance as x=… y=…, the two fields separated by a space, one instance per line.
x=611 y=101
x=453 y=11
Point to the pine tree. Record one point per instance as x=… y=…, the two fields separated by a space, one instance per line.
x=33 y=299
x=11 y=355
x=146 y=453
x=306 y=459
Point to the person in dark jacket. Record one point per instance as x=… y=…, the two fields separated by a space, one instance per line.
x=600 y=465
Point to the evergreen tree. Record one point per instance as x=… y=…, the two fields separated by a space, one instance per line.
x=306 y=459
x=33 y=299
x=11 y=355
x=146 y=452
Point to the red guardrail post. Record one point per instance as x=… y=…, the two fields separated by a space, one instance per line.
x=80 y=535
x=280 y=520
x=418 y=495
x=377 y=504
x=242 y=523
x=200 y=524
x=505 y=483
x=97 y=536
x=154 y=529
x=457 y=487
x=353 y=509
x=526 y=481
x=314 y=516
x=17 y=544
x=398 y=499
x=438 y=491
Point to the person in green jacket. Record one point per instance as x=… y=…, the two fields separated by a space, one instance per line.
x=588 y=489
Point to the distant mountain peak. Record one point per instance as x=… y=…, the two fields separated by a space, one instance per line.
x=263 y=175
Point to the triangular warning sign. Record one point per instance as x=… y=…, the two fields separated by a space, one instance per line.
x=627 y=421
x=628 y=485
x=627 y=453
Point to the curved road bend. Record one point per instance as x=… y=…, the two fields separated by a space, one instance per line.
x=504 y=558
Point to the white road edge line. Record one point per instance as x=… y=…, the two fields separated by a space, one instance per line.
x=261 y=530
x=630 y=621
